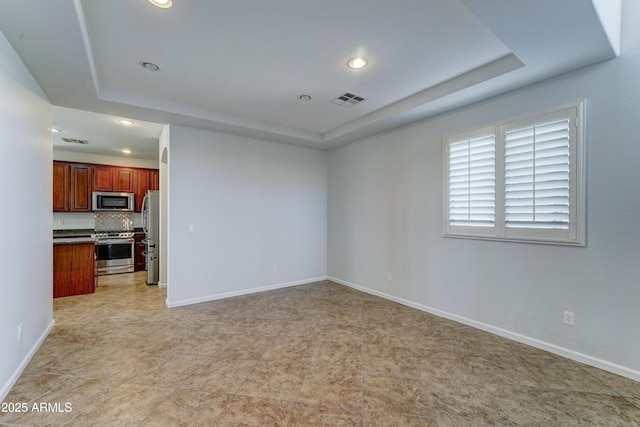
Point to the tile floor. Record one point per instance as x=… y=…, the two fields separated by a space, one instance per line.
x=313 y=355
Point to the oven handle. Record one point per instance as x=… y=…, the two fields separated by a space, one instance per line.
x=114 y=241
x=115 y=269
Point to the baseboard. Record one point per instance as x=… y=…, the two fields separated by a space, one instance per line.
x=552 y=348
x=6 y=387
x=162 y=285
x=214 y=297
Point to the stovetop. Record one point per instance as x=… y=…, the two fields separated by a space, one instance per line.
x=113 y=234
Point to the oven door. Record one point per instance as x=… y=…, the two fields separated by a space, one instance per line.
x=115 y=255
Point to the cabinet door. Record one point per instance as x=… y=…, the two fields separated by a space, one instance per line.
x=103 y=178
x=140 y=261
x=73 y=269
x=154 y=179
x=123 y=180
x=82 y=262
x=62 y=270
x=140 y=186
x=81 y=187
x=61 y=174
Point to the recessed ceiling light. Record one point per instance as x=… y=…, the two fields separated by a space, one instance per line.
x=304 y=97
x=55 y=130
x=126 y=122
x=357 y=62
x=165 y=4
x=126 y=151
x=149 y=65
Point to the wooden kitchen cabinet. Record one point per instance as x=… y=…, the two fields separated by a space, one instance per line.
x=73 y=184
x=143 y=180
x=103 y=178
x=73 y=269
x=140 y=186
x=81 y=187
x=139 y=258
x=154 y=179
x=61 y=185
x=122 y=180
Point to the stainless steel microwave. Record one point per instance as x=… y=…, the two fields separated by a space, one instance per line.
x=106 y=201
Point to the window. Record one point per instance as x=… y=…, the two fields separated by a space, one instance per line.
x=522 y=180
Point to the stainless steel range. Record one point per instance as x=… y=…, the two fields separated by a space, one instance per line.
x=115 y=252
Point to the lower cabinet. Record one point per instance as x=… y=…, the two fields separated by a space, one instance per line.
x=139 y=259
x=73 y=269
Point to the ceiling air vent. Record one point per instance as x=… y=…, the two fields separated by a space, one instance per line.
x=348 y=100
x=75 y=141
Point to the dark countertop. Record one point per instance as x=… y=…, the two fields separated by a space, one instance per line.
x=80 y=236
x=87 y=232
x=73 y=240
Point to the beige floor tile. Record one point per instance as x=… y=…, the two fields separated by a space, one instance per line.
x=188 y=408
x=332 y=387
x=69 y=396
x=305 y=415
x=201 y=344
x=274 y=380
x=284 y=348
x=167 y=369
x=621 y=385
x=396 y=394
x=126 y=405
x=339 y=355
x=33 y=384
x=343 y=333
x=250 y=347
x=596 y=409
x=396 y=361
x=314 y=354
x=562 y=374
x=248 y=411
x=377 y=419
x=220 y=375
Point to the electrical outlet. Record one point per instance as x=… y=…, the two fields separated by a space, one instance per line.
x=192 y=228
x=389 y=276
x=568 y=318
x=275 y=268
x=20 y=332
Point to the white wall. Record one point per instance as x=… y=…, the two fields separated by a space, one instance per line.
x=26 y=295
x=385 y=215
x=253 y=204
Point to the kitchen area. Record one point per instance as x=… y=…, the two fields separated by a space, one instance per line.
x=105 y=222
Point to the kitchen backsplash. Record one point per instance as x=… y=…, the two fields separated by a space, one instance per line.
x=81 y=221
x=113 y=221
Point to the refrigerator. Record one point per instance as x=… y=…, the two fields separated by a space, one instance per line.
x=151 y=226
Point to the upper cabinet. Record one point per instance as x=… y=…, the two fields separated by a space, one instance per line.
x=103 y=178
x=123 y=180
x=81 y=188
x=140 y=186
x=143 y=180
x=71 y=187
x=112 y=178
x=61 y=186
x=73 y=184
x=154 y=179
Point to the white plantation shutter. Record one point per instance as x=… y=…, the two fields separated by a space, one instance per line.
x=472 y=182
x=518 y=181
x=537 y=178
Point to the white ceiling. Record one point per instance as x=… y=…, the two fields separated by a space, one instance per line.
x=238 y=66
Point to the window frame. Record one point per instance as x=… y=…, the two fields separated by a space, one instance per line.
x=575 y=235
